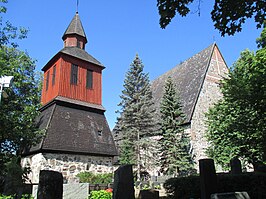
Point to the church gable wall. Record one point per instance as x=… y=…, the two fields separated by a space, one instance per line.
x=210 y=93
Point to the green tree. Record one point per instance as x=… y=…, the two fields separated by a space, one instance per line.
x=136 y=115
x=228 y=15
x=237 y=123
x=20 y=108
x=8 y=32
x=175 y=156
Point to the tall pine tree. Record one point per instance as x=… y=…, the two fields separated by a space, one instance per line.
x=175 y=156
x=136 y=115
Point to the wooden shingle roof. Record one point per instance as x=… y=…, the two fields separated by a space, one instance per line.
x=188 y=78
x=74 y=52
x=74 y=128
x=75 y=27
x=80 y=54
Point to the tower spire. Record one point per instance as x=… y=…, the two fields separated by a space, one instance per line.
x=76 y=32
x=77 y=6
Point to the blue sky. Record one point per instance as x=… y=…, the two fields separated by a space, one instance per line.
x=117 y=30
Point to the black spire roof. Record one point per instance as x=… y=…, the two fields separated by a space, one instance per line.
x=75 y=27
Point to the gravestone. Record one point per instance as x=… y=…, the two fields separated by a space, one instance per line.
x=260 y=167
x=124 y=183
x=208 y=178
x=148 y=194
x=235 y=166
x=50 y=185
x=77 y=191
x=231 y=195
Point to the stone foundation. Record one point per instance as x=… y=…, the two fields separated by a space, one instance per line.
x=68 y=164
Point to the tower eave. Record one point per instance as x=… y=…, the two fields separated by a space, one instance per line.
x=74 y=52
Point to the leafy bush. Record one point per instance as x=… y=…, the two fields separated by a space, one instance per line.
x=26 y=196
x=102 y=194
x=89 y=177
x=189 y=187
x=183 y=187
x=253 y=183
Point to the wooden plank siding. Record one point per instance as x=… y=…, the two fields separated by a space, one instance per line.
x=64 y=88
x=53 y=90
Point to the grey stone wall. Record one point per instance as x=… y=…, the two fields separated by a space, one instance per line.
x=68 y=164
x=210 y=93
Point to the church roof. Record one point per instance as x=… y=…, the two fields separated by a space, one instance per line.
x=73 y=128
x=188 y=78
x=75 y=27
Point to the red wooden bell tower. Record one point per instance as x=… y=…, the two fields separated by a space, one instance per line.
x=72 y=115
x=73 y=73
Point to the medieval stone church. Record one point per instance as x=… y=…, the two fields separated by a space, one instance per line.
x=76 y=134
x=197 y=82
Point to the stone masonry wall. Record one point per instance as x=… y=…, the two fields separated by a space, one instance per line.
x=209 y=95
x=69 y=165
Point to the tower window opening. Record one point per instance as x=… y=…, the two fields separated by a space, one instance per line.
x=89 y=80
x=54 y=73
x=100 y=132
x=74 y=74
x=47 y=80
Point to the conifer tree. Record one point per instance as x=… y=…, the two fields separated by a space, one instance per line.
x=136 y=115
x=175 y=156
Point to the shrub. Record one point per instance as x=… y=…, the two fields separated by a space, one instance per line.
x=89 y=177
x=102 y=194
x=25 y=196
x=189 y=187
x=253 y=183
x=183 y=187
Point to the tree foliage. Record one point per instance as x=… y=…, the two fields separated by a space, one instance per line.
x=237 y=123
x=175 y=156
x=20 y=108
x=92 y=178
x=228 y=15
x=136 y=115
x=8 y=32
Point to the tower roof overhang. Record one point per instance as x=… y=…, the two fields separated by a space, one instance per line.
x=74 y=52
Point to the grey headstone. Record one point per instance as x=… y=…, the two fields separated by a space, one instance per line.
x=124 y=183
x=231 y=195
x=260 y=167
x=50 y=185
x=235 y=166
x=208 y=178
x=77 y=191
x=148 y=194
x=34 y=191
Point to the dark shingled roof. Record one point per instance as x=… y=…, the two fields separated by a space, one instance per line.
x=74 y=128
x=188 y=78
x=81 y=54
x=75 y=27
x=77 y=53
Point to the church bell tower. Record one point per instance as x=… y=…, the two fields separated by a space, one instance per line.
x=76 y=133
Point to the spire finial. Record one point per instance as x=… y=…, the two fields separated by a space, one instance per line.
x=77 y=6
